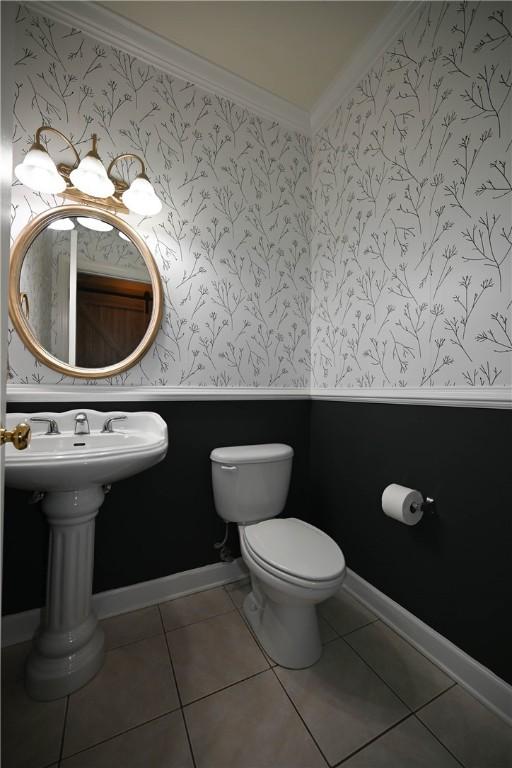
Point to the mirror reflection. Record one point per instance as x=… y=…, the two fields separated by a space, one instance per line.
x=86 y=292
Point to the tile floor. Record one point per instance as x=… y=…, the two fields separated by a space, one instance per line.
x=185 y=685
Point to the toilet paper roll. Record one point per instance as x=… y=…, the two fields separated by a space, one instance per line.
x=396 y=503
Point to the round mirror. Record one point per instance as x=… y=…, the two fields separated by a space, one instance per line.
x=84 y=291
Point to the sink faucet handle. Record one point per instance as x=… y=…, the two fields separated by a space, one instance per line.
x=107 y=427
x=53 y=428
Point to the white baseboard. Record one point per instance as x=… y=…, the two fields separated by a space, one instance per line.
x=483 y=684
x=487 y=687
x=19 y=627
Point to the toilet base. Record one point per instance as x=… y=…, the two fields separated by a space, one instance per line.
x=287 y=632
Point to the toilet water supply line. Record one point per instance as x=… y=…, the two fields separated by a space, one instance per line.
x=225 y=552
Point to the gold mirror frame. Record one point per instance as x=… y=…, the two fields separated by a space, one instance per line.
x=20 y=319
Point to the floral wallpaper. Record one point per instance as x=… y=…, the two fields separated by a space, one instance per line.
x=232 y=241
x=380 y=256
x=412 y=197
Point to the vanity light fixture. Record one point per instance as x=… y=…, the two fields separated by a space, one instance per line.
x=87 y=180
x=61 y=225
x=39 y=172
x=140 y=197
x=95 y=224
x=90 y=176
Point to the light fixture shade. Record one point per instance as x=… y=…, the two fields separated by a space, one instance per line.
x=91 y=177
x=61 y=225
x=89 y=222
x=140 y=197
x=39 y=172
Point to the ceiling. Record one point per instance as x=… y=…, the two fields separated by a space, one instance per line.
x=292 y=49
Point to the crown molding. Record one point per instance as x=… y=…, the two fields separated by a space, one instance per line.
x=466 y=397
x=368 y=53
x=111 y=29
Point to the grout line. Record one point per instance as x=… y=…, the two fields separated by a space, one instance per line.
x=189 y=740
x=239 y=610
x=181 y=707
x=164 y=631
x=375 y=672
x=436 y=737
x=225 y=688
x=193 y=623
x=437 y=696
x=328 y=624
x=177 y=689
x=118 y=735
x=370 y=666
x=64 y=725
x=363 y=626
x=271 y=663
x=367 y=663
x=375 y=738
x=299 y=714
x=132 y=642
x=150 y=720
x=415 y=648
x=198 y=621
x=412 y=711
x=170 y=660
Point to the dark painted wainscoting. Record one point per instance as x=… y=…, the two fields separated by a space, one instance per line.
x=162 y=521
x=454 y=570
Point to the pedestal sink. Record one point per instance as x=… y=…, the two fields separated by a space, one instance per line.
x=72 y=468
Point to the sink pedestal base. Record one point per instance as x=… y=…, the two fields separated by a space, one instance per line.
x=69 y=646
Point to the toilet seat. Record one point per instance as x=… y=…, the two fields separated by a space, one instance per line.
x=294 y=551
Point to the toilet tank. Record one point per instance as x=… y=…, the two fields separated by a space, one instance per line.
x=250 y=482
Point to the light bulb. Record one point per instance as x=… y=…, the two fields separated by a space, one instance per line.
x=61 y=225
x=96 y=224
x=91 y=177
x=140 y=197
x=39 y=172
x=123 y=236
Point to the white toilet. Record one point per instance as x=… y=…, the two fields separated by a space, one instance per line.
x=293 y=565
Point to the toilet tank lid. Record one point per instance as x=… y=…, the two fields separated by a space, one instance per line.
x=251 y=454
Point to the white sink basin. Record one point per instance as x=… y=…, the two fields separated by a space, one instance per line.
x=71 y=470
x=70 y=462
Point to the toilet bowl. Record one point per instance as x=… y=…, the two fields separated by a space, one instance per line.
x=293 y=565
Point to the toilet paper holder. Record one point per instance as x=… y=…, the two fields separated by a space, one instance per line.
x=427 y=505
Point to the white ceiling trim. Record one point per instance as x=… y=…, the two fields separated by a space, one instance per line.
x=111 y=29
x=365 y=57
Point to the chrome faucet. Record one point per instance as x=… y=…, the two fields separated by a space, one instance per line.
x=81 y=424
x=107 y=427
x=53 y=428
